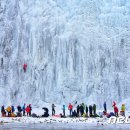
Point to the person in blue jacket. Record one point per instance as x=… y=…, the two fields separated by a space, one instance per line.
x=64 y=110
x=12 y=108
x=24 y=109
x=105 y=107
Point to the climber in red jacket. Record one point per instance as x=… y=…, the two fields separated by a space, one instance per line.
x=25 y=67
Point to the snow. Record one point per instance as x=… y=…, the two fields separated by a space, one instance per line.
x=73 y=50
x=48 y=120
x=59 y=123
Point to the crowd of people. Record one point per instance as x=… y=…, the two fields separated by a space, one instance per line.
x=83 y=110
x=10 y=111
x=75 y=110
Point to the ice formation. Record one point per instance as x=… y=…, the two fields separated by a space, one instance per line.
x=75 y=50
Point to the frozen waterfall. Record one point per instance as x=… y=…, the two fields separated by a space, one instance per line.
x=75 y=50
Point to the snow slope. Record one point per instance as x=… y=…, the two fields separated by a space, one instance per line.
x=74 y=49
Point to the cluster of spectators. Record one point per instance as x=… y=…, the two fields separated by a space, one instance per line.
x=21 y=111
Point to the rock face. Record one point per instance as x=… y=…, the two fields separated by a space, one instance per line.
x=75 y=50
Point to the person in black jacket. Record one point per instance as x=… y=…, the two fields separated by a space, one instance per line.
x=13 y=109
x=30 y=113
x=46 y=113
x=86 y=110
x=90 y=110
x=19 y=111
x=74 y=114
x=81 y=110
x=3 y=113
x=105 y=107
x=78 y=109
x=24 y=107
x=64 y=107
x=19 y=108
x=94 y=109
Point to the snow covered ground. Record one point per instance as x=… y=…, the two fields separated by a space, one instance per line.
x=59 y=124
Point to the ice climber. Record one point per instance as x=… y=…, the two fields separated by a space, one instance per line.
x=25 y=67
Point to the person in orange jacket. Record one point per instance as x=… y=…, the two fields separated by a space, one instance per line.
x=8 y=109
x=70 y=107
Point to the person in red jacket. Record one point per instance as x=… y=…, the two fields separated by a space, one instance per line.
x=114 y=104
x=25 y=67
x=116 y=111
x=28 y=110
x=70 y=107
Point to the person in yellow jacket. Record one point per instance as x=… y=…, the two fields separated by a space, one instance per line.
x=8 y=109
x=123 y=109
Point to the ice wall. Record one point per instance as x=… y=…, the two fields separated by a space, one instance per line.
x=76 y=50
